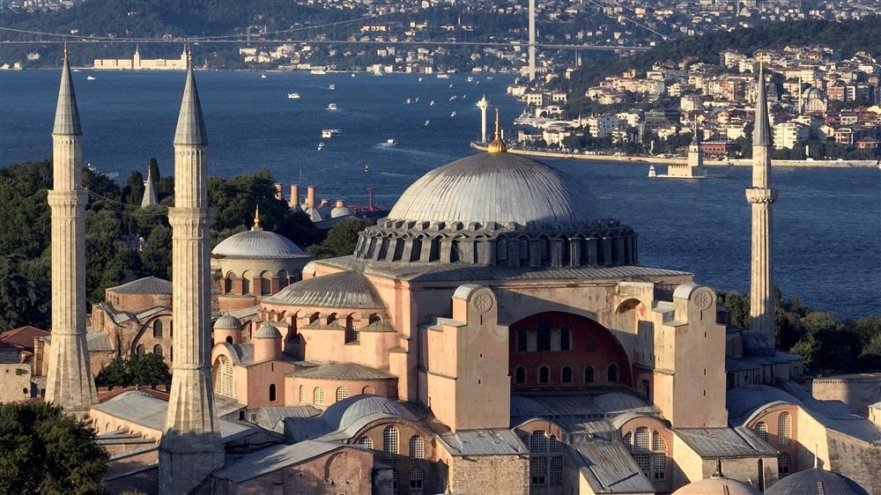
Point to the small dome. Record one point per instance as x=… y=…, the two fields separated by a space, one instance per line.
x=340 y=211
x=497 y=187
x=258 y=244
x=717 y=486
x=814 y=94
x=227 y=322
x=816 y=482
x=267 y=331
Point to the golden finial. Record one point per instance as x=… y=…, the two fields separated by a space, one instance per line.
x=497 y=146
x=257 y=217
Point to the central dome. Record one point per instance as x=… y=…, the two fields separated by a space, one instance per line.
x=258 y=244
x=496 y=187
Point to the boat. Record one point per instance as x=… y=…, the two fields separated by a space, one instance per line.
x=294 y=96
x=431 y=103
x=426 y=123
x=453 y=114
x=389 y=142
x=90 y=78
x=652 y=171
x=330 y=133
x=318 y=72
x=443 y=76
x=420 y=79
x=470 y=79
x=331 y=106
x=453 y=98
x=262 y=76
x=408 y=101
x=320 y=146
x=331 y=87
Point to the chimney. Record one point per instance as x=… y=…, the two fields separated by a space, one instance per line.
x=295 y=195
x=310 y=196
x=278 y=194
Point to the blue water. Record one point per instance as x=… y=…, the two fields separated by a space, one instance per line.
x=827 y=222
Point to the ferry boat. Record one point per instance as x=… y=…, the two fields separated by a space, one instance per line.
x=262 y=76
x=90 y=78
x=331 y=87
x=330 y=133
x=318 y=72
x=390 y=142
x=331 y=106
x=294 y=96
x=443 y=76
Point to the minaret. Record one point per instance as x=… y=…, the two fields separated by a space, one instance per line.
x=149 y=198
x=191 y=447
x=531 y=48
x=482 y=104
x=760 y=197
x=70 y=383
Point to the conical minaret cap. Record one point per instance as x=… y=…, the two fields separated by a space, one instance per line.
x=190 y=124
x=149 y=198
x=762 y=130
x=67 y=116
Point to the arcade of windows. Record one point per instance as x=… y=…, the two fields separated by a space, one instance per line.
x=544 y=338
x=566 y=375
x=545 y=459
x=649 y=451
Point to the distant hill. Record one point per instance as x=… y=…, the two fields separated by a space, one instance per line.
x=849 y=36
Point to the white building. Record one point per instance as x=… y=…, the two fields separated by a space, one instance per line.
x=788 y=134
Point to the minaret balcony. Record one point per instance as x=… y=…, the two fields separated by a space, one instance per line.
x=761 y=195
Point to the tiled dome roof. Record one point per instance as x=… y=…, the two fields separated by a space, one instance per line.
x=816 y=482
x=338 y=290
x=258 y=244
x=227 y=322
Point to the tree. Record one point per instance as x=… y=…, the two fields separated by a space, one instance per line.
x=48 y=452
x=115 y=373
x=148 y=369
x=156 y=253
x=341 y=239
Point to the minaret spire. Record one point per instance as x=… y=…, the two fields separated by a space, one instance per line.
x=69 y=381
x=149 y=198
x=191 y=447
x=761 y=197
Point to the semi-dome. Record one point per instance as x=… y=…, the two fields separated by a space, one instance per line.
x=816 y=482
x=498 y=208
x=347 y=289
x=227 y=322
x=258 y=244
x=496 y=187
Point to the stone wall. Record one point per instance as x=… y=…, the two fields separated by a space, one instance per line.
x=15 y=382
x=856 y=391
x=856 y=459
x=488 y=475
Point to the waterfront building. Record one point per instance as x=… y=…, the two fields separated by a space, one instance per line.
x=495 y=334
x=138 y=63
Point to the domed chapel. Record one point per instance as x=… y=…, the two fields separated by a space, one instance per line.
x=495 y=334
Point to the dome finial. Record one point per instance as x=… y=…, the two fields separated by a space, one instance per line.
x=256 y=219
x=498 y=145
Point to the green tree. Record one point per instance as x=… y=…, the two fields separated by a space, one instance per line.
x=148 y=369
x=48 y=452
x=115 y=373
x=341 y=239
x=156 y=253
x=738 y=305
x=106 y=256
x=808 y=349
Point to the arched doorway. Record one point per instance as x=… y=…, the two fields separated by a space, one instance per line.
x=546 y=349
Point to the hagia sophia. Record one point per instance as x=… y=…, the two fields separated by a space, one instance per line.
x=494 y=334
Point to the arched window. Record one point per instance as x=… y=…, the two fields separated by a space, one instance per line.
x=318 y=396
x=649 y=450
x=544 y=374
x=612 y=373
x=784 y=429
x=589 y=374
x=566 y=374
x=157 y=349
x=390 y=439
x=229 y=339
x=140 y=350
x=313 y=317
x=416 y=477
x=342 y=393
x=157 y=329
x=783 y=464
x=301 y=396
x=538 y=442
x=367 y=442
x=417 y=447
x=225 y=384
x=520 y=375
x=761 y=430
x=352 y=334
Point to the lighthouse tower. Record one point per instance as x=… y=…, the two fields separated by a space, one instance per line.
x=191 y=447
x=760 y=197
x=69 y=381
